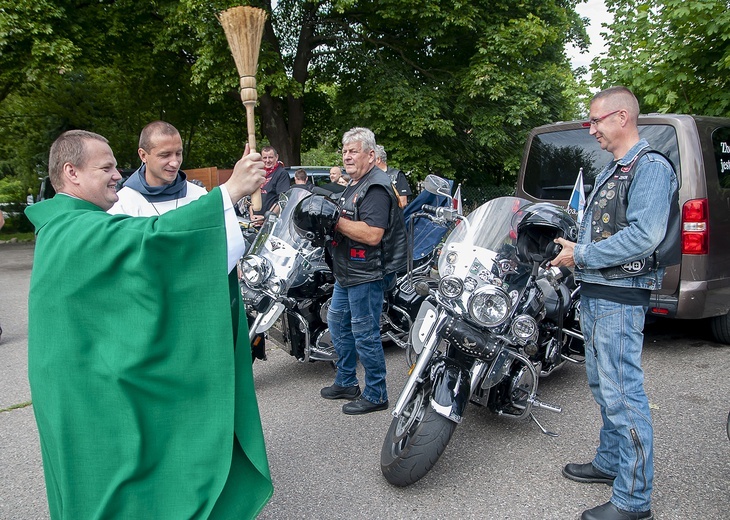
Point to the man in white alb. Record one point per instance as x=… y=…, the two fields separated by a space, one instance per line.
x=158 y=185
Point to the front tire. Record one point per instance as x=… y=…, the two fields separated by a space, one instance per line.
x=414 y=442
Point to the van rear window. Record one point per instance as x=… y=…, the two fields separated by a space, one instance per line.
x=555 y=158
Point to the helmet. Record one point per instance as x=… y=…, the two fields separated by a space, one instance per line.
x=540 y=225
x=315 y=217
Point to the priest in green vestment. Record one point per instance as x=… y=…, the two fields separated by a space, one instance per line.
x=138 y=355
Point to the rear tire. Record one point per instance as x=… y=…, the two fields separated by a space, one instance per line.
x=414 y=442
x=721 y=328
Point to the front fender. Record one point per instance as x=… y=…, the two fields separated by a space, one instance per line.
x=450 y=389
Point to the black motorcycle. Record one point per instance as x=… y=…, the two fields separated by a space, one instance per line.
x=286 y=286
x=498 y=319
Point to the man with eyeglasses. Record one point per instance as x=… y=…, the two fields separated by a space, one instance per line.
x=628 y=235
x=368 y=249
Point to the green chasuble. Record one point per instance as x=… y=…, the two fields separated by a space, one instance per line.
x=140 y=366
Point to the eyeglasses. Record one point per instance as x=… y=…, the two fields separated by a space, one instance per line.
x=595 y=120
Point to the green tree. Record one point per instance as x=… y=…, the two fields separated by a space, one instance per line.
x=674 y=54
x=100 y=66
x=448 y=87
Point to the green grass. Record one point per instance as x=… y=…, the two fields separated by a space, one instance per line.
x=22 y=237
x=16 y=406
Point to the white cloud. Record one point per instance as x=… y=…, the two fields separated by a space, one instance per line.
x=596 y=11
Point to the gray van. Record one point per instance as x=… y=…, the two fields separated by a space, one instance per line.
x=699 y=147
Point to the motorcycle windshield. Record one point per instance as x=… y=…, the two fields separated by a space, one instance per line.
x=490 y=232
x=276 y=240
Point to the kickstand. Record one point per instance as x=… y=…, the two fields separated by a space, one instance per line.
x=549 y=434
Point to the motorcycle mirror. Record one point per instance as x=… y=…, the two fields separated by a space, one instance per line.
x=436 y=185
x=421 y=287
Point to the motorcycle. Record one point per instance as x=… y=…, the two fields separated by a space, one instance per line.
x=286 y=286
x=424 y=245
x=298 y=289
x=498 y=320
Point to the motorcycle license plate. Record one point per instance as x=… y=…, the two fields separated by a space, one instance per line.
x=422 y=326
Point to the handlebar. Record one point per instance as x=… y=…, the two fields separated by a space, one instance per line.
x=441 y=212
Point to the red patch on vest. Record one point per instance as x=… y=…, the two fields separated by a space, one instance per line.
x=357 y=255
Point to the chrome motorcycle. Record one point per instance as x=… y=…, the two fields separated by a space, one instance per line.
x=498 y=320
x=286 y=287
x=402 y=302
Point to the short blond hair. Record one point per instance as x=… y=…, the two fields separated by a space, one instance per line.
x=69 y=147
x=151 y=130
x=618 y=98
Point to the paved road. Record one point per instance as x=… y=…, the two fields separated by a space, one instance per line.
x=325 y=465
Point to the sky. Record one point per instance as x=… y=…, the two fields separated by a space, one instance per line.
x=596 y=11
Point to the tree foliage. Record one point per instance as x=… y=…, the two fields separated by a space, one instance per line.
x=674 y=54
x=449 y=87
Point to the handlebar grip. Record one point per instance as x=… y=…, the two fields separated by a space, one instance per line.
x=431 y=210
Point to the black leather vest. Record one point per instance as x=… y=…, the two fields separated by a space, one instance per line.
x=354 y=262
x=608 y=217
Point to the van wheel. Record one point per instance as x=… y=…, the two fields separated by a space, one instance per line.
x=721 y=328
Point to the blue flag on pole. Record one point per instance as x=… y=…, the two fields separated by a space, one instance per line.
x=578 y=198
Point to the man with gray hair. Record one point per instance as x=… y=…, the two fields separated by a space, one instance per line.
x=397 y=177
x=368 y=250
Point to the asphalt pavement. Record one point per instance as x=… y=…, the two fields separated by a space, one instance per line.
x=325 y=465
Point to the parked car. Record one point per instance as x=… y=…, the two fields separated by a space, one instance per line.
x=699 y=148
x=319 y=175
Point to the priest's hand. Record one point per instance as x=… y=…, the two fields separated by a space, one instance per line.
x=248 y=176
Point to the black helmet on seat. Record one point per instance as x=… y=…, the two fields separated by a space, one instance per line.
x=315 y=218
x=539 y=226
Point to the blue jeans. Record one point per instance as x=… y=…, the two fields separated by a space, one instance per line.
x=613 y=338
x=354 y=322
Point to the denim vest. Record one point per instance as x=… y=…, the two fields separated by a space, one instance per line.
x=649 y=199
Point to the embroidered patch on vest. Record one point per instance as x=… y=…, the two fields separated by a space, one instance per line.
x=357 y=254
x=634 y=267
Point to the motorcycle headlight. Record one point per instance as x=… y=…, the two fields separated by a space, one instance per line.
x=275 y=286
x=489 y=306
x=254 y=270
x=524 y=329
x=451 y=287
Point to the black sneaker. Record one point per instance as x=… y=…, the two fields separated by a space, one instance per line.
x=340 y=392
x=362 y=406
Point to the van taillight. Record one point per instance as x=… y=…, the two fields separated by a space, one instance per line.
x=694 y=227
